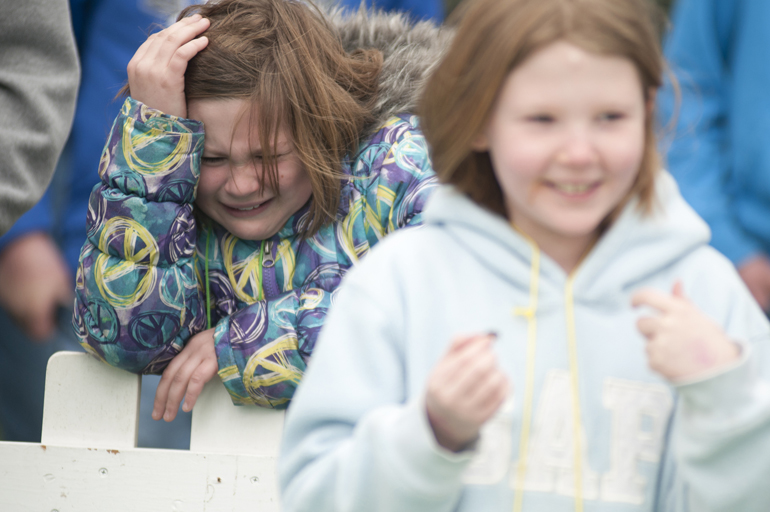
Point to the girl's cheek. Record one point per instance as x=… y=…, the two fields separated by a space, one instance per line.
x=628 y=157
x=524 y=163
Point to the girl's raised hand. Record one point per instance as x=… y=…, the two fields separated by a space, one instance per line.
x=465 y=390
x=682 y=343
x=156 y=71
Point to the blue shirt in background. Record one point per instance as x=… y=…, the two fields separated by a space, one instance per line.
x=419 y=9
x=719 y=152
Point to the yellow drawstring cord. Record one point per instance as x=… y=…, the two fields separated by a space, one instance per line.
x=208 y=291
x=573 y=370
x=530 y=313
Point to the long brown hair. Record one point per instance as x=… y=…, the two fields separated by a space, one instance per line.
x=495 y=36
x=284 y=58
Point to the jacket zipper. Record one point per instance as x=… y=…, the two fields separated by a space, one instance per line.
x=269 y=283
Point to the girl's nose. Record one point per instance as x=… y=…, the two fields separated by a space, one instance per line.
x=578 y=150
x=243 y=180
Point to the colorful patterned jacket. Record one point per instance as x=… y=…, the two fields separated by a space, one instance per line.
x=147 y=266
x=148 y=269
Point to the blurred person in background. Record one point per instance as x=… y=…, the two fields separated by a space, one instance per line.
x=38 y=257
x=720 y=151
x=39 y=75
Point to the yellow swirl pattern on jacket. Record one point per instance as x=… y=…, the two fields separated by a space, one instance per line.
x=287 y=256
x=244 y=272
x=130 y=145
x=133 y=251
x=138 y=243
x=348 y=225
x=280 y=369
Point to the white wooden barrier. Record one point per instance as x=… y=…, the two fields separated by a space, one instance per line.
x=88 y=460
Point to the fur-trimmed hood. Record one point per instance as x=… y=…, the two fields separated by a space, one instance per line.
x=411 y=50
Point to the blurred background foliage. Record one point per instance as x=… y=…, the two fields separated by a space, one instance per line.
x=665 y=4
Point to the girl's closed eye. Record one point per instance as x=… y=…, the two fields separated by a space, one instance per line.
x=278 y=156
x=611 y=116
x=541 y=118
x=212 y=161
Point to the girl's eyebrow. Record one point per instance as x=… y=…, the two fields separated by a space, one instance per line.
x=213 y=152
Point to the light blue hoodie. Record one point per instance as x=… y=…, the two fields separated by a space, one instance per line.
x=357 y=436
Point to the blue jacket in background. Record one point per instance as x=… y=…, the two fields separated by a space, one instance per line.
x=119 y=28
x=419 y=9
x=720 y=151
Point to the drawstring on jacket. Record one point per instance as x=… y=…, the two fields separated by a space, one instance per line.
x=208 y=288
x=530 y=313
x=569 y=312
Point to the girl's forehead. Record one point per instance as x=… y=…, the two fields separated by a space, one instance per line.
x=565 y=69
x=231 y=122
x=562 y=58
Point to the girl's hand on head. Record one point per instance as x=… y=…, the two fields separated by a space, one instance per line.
x=465 y=389
x=682 y=343
x=185 y=376
x=156 y=71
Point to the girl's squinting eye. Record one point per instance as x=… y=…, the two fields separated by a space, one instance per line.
x=541 y=118
x=212 y=160
x=611 y=116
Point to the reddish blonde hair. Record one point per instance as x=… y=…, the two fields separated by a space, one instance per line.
x=495 y=36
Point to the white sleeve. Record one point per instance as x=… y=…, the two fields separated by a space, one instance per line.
x=721 y=436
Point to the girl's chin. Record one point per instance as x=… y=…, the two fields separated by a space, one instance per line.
x=251 y=232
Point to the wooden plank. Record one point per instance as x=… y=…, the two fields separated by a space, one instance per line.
x=218 y=426
x=46 y=478
x=88 y=461
x=89 y=404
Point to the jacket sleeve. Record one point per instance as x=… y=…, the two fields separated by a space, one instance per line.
x=263 y=349
x=39 y=75
x=723 y=423
x=137 y=296
x=700 y=154
x=374 y=449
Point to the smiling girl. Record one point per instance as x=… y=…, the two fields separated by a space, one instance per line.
x=559 y=336
x=254 y=163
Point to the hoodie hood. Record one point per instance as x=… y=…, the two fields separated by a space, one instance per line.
x=411 y=50
x=635 y=247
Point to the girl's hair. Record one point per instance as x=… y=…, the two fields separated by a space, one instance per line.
x=495 y=36
x=283 y=57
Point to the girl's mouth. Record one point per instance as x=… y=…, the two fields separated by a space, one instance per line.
x=575 y=189
x=249 y=208
x=246 y=211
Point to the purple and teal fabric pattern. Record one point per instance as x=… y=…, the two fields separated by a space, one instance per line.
x=141 y=283
x=137 y=296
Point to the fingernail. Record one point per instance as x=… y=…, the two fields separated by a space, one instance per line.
x=492 y=334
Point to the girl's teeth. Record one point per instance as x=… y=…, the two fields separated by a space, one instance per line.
x=249 y=209
x=573 y=188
